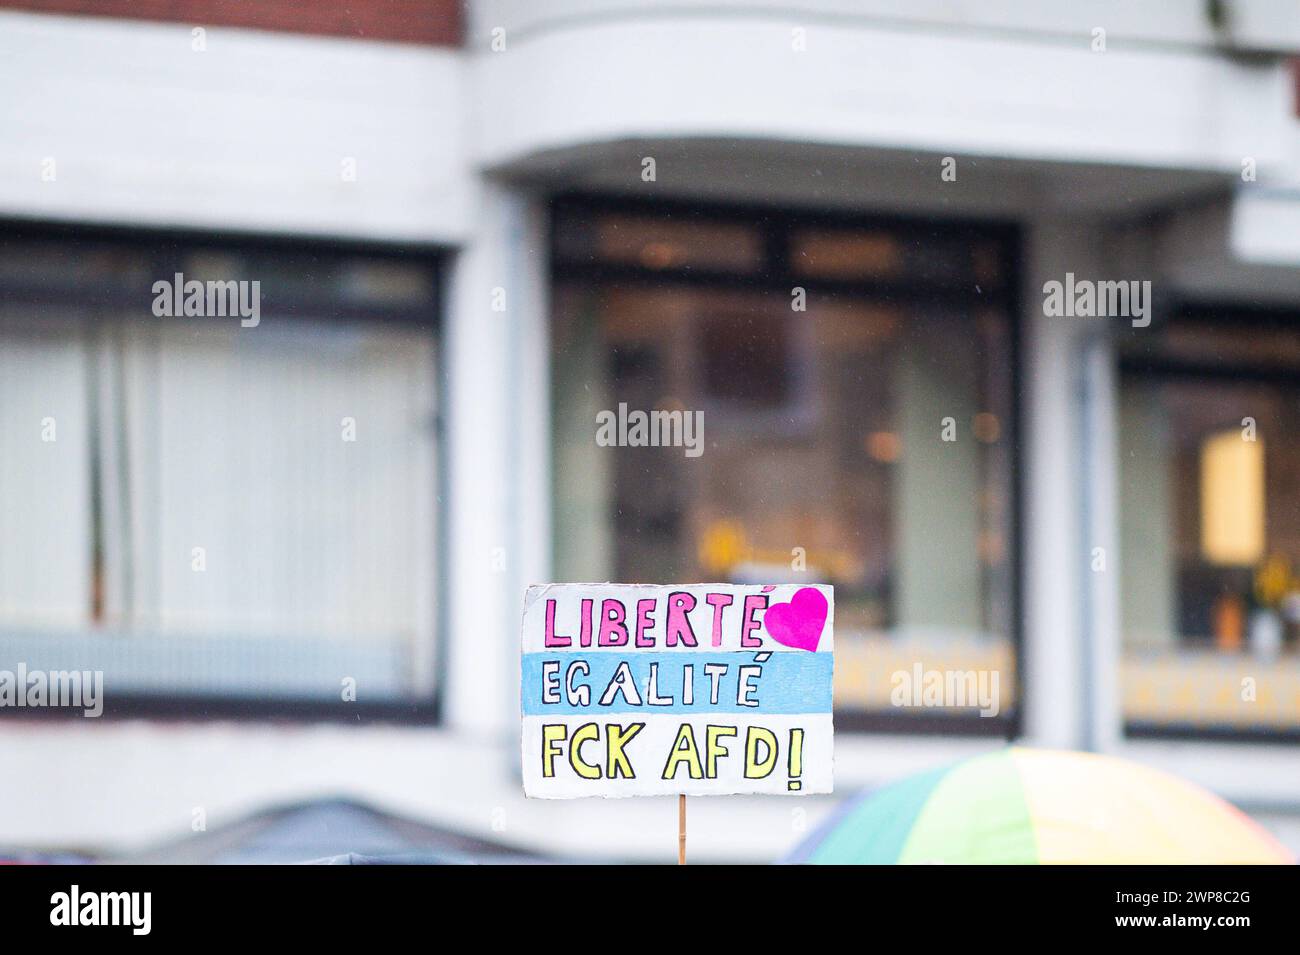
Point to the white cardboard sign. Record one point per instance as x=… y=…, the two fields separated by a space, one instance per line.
x=701 y=689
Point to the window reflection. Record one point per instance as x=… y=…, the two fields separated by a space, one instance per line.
x=1210 y=524
x=864 y=442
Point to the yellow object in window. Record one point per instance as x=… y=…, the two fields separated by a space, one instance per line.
x=1273 y=580
x=1232 y=500
x=722 y=546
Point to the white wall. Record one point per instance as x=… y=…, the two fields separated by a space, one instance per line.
x=1251 y=24
x=250 y=134
x=707 y=72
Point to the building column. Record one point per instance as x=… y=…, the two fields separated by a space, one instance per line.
x=497 y=453
x=1054 y=678
x=1099 y=477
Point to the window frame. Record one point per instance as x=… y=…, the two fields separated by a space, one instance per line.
x=1157 y=369
x=166 y=248
x=777 y=223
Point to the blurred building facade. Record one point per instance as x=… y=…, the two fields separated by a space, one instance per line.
x=297 y=546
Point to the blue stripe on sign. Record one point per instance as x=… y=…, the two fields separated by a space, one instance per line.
x=790 y=682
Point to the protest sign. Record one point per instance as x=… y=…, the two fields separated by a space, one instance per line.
x=696 y=689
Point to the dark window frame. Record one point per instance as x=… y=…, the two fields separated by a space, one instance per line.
x=1218 y=314
x=776 y=224
x=168 y=246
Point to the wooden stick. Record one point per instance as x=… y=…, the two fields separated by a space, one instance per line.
x=681 y=829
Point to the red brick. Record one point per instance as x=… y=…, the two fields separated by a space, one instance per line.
x=434 y=22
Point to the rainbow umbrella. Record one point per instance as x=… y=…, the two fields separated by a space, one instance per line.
x=1036 y=806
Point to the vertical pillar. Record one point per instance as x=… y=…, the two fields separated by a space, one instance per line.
x=497 y=418
x=1053 y=675
x=1100 y=488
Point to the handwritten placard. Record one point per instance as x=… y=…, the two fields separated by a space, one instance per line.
x=702 y=689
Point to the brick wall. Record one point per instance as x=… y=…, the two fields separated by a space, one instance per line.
x=437 y=22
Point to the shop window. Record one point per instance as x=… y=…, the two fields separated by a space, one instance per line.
x=1210 y=524
x=863 y=437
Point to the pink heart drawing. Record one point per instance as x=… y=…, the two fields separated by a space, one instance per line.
x=799 y=623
